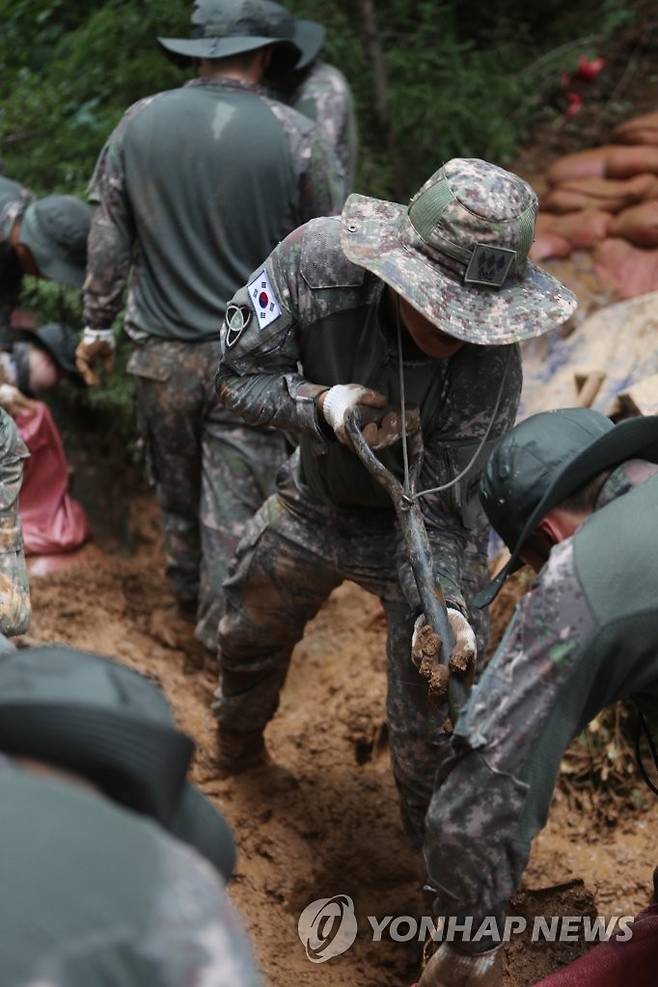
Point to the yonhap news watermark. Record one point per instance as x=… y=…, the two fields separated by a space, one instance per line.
x=328 y=927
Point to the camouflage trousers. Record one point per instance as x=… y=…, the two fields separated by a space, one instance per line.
x=211 y=471
x=295 y=551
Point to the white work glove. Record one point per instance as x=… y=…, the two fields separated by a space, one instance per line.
x=426 y=652
x=13 y=401
x=450 y=968
x=95 y=345
x=383 y=423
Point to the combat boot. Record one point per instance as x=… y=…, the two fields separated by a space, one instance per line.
x=239 y=751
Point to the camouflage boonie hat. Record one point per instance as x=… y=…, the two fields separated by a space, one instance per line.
x=55 y=231
x=459 y=253
x=223 y=28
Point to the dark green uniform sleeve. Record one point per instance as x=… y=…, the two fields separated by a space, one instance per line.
x=111 y=237
x=258 y=375
x=541 y=687
x=321 y=190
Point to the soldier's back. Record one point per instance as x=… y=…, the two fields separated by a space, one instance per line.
x=213 y=184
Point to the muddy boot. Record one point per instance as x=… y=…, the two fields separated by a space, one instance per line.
x=239 y=751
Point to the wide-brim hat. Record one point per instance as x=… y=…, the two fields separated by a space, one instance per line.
x=310 y=38
x=57 y=340
x=223 y=28
x=459 y=254
x=93 y=717
x=545 y=460
x=55 y=231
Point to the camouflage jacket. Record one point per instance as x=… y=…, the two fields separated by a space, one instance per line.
x=309 y=307
x=194 y=187
x=112 y=898
x=14 y=586
x=585 y=636
x=14 y=199
x=324 y=95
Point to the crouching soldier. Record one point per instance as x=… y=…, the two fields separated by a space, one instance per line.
x=576 y=498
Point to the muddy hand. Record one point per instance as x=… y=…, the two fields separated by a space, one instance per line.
x=426 y=653
x=384 y=426
x=96 y=346
x=337 y=403
x=14 y=401
x=450 y=968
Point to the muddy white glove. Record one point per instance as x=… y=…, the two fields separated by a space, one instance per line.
x=381 y=423
x=96 y=345
x=13 y=400
x=426 y=652
x=450 y=968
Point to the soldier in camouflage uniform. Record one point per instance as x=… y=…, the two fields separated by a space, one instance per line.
x=14 y=587
x=46 y=238
x=317 y=332
x=321 y=92
x=97 y=811
x=577 y=498
x=194 y=187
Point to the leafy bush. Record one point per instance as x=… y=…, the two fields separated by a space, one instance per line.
x=461 y=78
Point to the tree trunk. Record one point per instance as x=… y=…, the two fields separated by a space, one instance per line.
x=373 y=46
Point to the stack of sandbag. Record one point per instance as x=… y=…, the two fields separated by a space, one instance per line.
x=606 y=200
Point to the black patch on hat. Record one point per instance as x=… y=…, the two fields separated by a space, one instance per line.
x=489 y=265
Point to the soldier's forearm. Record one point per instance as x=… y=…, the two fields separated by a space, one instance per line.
x=284 y=401
x=474 y=850
x=109 y=255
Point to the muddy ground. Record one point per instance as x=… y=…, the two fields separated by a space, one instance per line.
x=324 y=820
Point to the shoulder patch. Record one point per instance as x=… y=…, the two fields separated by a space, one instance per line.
x=323 y=263
x=263 y=299
x=237 y=319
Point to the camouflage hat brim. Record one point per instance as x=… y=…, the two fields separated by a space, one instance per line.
x=48 y=255
x=189 y=48
x=379 y=236
x=309 y=38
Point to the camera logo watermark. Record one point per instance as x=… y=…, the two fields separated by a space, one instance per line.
x=327 y=927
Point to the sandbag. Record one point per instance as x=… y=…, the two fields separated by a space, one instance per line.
x=638 y=225
x=627 y=270
x=547 y=244
x=52 y=521
x=600 y=193
x=582 y=229
x=644 y=121
x=644 y=135
x=631 y=190
x=624 y=162
x=582 y=164
x=612 y=963
x=609 y=161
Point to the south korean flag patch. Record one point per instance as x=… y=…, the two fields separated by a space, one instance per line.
x=263 y=299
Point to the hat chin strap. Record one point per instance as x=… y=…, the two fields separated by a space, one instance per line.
x=408 y=486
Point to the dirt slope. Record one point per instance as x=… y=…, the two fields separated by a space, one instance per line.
x=325 y=820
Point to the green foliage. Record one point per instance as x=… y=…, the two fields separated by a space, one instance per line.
x=462 y=78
